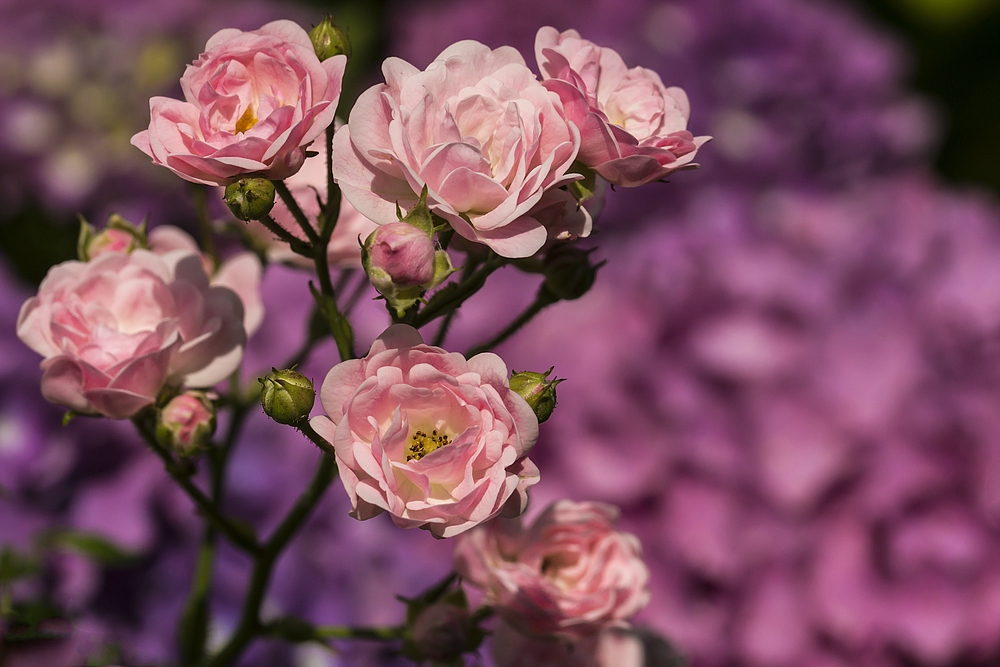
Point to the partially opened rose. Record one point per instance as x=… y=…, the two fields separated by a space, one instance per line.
x=252 y=103
x=437 y=441
x=570 y=574
x=115 y=330
x=477 y=128
x=633 y=128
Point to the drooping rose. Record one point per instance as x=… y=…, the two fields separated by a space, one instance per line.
x=344 y=249
x=633 y=129
x=115 y=330
x=252 y=103
x=477 y=128
x=570 y=574
x=438 y=441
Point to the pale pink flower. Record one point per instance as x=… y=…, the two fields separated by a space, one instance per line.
x=477 y=128
x=242 y=273
x=570 y=574
x=612 y=648
x=633 y=129
x=115 y=330
x=344 y=250
x=438 y=441
x=253 y=102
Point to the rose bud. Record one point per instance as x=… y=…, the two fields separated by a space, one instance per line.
x=250 y=198
x=442 y=632
x=568 y=272
x=119 y=235
x=537 y=390
x=287 y=396
x=186 y=423
x=400 y=261
x=328 y=40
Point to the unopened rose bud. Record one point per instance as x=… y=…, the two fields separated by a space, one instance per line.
x=287 y=396
x=328 y=40
x=250 y=198
x=442 y=632
x=119 y=235
x=401 y=263
x=186 y=423
x=568 y=271
x=538 y=391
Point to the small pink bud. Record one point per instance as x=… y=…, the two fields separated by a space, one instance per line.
x=186 y=423
x=403 y=252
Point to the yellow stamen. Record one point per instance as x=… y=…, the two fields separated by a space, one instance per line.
x=422 y=444
x=247 y=120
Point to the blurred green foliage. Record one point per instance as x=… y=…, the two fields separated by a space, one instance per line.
x=956 y=49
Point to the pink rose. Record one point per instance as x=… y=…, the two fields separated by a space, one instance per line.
x=242 y=273
x=632 y=128
x=115 y=330
x=254 y=101
x=437 y=441
x=477 y=128
x=570 y=574
x=611 y=648
x=344 y=250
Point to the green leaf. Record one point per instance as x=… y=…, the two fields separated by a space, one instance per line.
x=14 y=566
x=90 y=545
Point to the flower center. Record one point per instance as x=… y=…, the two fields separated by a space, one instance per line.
x=247 y=120
x=423 y=443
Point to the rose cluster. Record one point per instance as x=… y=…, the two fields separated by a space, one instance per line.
x=476 y=149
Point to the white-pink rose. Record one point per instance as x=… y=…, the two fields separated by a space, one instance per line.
x=253 y=102
x=477 y=128
x=633 y=129
x=438 y=441
x=344 y=250
x=115 y=330
x=570 y=574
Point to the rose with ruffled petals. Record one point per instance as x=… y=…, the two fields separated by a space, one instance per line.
x=633 y=129
x=253 y=102
x=438 y=441
x=115 y=330
x=570 y=574
x=476 y=128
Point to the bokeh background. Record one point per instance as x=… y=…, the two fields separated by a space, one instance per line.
x=787 y=375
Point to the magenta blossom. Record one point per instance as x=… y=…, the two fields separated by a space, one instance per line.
x=115 y=330
x=476 y=128
x=633 y=129
x=570 y=574
x=253 y=102
x=438 y=441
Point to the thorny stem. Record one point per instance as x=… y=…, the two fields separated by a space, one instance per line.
x=296 y=211
x=454 y=295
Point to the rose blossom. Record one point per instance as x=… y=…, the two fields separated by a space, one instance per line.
x=438 y=441
x=115 y=330
x=632 y=128
x=477 y=128
x=242 y=273
x=344 y=249
x=570 y=574
x=253 y=102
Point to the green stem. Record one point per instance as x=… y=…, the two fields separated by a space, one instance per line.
x=200 y=197
x=240 y=537
x=296 y=630
x=442 y=332
x=454 y=295
x=297 y=245
x=296 y=211
x=317 y=439
x=346 y=632
x=250 y=625
x=331 y=212
x=544 y=299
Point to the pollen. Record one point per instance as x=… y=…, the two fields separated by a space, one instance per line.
x=247 y=120
x=422 y=444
